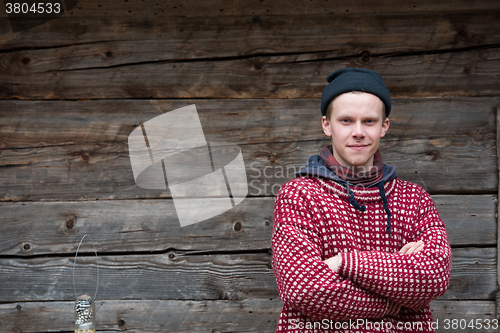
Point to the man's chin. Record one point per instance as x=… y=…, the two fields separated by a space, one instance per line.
x=358 y=161
x=358 y=165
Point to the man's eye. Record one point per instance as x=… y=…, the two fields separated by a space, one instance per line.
x=345 y=121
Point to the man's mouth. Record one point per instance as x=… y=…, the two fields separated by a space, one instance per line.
x=357 y=146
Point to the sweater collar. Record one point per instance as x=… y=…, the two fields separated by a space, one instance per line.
x=348 y=174
x=356 y=195
x=366 y=193
x=362 y=194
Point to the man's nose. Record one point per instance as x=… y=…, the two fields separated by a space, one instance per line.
x=358 y=131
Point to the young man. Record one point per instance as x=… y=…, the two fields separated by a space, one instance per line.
x=355 y=248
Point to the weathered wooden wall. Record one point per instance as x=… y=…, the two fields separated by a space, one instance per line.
x=72 y=90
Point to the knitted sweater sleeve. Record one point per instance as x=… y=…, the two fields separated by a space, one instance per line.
x=412 y=280
x=304 y=281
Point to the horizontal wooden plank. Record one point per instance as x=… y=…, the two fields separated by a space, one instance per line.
x=196 y=276
x=239 y=121
x=171 y=275
x=149 y=8
x=456 y=316
x=103 y=171
x=38 y=228
x=89 y=159
x=414 y=160
x=460 y=73
x=75 y=43
x=464 y=282
x=130 y=226
x=469 y=219
x=252 y=315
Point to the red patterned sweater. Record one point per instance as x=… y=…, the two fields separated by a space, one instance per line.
x=377 y=289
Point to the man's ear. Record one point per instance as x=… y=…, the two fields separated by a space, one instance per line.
x=326 y=126
x=385 y=127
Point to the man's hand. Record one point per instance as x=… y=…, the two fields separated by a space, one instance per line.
x=412 y=247
x=334 y=263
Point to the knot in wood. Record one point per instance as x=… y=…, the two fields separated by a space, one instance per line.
x=86 y=157
x=467 y=69
x=462 y=32
x=258 y=65
x=70 y=223
x=238 y=226
x=365 y=56
x=434 y=155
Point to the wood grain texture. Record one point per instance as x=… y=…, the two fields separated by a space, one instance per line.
x=73 y=89
x=463 y=284
x=254 y=315
x=74 y=43
x=462 y=73
x=103 y=172
x=445 y=312
x=498 y=206
x=37 y=124
x=118 y=226
x=221 y=8
x=78 y=150
x=181 y=276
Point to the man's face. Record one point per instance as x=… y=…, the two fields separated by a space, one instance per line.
x=356 y=125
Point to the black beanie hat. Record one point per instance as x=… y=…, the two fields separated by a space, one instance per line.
x=355 y=79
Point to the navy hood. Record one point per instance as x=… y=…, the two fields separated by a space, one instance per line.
x=315 y=167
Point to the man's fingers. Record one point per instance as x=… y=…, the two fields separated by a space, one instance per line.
x=333 y=263
x=419 y=248
x=412 y=247
x=405 y=248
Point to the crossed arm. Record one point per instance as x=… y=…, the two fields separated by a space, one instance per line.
x=308 y=285
x=358 y=284
x=409 y=248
